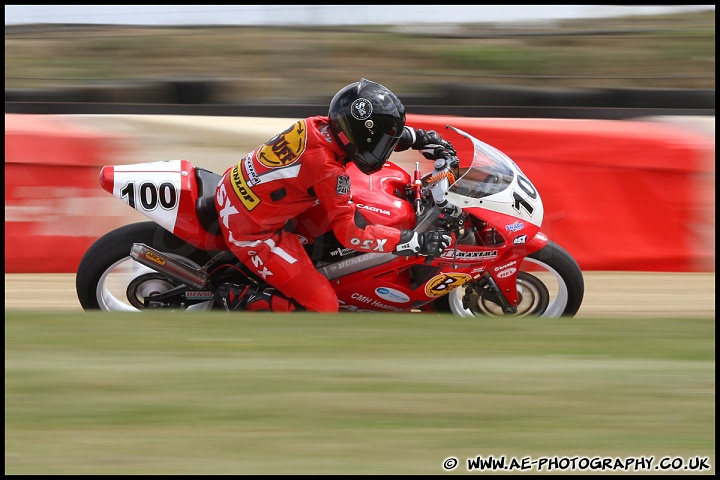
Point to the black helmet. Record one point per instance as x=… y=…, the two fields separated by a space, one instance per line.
x=367 y=120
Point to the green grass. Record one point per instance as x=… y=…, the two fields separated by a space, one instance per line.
x=350 y=394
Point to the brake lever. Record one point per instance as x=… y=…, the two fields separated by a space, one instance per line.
x=453 y=221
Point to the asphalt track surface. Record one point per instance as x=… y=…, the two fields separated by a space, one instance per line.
x=607 y=294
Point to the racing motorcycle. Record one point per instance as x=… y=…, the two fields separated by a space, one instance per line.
x=498 y=264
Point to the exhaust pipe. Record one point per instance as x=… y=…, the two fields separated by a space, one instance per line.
x=168 y=266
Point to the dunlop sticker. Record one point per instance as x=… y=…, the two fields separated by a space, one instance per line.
x=244 y=193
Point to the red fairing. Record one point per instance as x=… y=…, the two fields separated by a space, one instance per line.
x=380 y=197
x=178 y=215
x=187 y=225
x=517 y=233
x=107 y=178
x=377 y=198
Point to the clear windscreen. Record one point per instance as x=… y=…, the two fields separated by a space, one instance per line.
x=489 y=173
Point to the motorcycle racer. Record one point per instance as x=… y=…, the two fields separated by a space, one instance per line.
x=305 y=165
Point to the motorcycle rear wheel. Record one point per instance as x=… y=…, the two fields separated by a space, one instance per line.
x=108 y=279
x=552 y=267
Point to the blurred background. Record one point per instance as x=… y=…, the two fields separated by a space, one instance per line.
x=302 y=54
x=211 y=82
x=383 y=394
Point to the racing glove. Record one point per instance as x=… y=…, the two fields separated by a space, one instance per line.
x=430 y=144
x=431 y=244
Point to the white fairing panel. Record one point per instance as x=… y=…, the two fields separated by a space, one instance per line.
x=494 y=182
x=518 y=200
x=152 y=189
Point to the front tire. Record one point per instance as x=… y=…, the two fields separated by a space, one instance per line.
x=552 y=267
x=107 y=274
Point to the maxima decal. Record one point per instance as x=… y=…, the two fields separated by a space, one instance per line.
x=468 y=257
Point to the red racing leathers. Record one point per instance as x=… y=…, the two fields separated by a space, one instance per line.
x=288 y=174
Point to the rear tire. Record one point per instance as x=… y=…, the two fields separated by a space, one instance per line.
x=106 y=269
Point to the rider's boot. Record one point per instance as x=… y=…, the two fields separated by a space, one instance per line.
x=253 y=298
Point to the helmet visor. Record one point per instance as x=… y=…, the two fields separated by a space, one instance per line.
x=375 y=145
x=374 y=154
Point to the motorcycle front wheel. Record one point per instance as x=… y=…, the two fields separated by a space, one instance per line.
x=550 y=284
x=108 y=279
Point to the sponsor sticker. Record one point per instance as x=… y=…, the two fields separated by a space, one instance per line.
x=340 y=251
x=507 y=273
x=153 y=257
x=253 y=177
x=498 y=268
x=361 y=109
x=284 y=148
x=373 y=209
x=391 y=295
x=199 y=295
x=343 y=185
x=242 y=190
x=442 y=284
x=515 y=227
x=468 y=257
x=325 y=131
x=520 y=239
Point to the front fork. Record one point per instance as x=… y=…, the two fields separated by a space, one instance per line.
x=487 y=288
x=501 y=286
